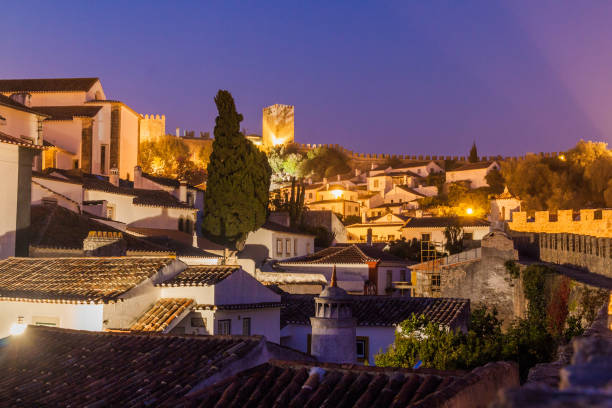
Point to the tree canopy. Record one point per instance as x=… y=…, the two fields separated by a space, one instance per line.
x=236 y=199
x=169 y=156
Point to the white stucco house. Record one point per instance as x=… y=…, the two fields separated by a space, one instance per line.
x=20 y=148
x=475 y=173
x=159 y=294
x=274 y=241
x=84 y=130
x=432 y=229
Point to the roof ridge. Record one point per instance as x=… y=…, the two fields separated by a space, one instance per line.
x=334 y=253
x=363 y=253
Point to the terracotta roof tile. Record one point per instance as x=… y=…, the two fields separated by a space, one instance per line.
x=201 y=275
x=47 y=85
x=57 y=367
x=333 y=255
x=443 y=222
x=305 y=384
x=68 y=112
x=54 y=226
x=98 y=280
x=161 y=314
x=379 y=310
x=239 y=306
x=4 y=138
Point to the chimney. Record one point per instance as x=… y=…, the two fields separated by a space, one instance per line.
x=369 y=238
x=23 y=98
x=357 y=172
x=137 y=177
x=183 y=191
x=178 y=131
x=114 y=177
x=104 y=243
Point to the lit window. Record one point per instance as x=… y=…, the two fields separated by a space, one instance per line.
x=110 y=212
x=224 y=327
x=279 y=246
x=425 y=237
x=375 y=183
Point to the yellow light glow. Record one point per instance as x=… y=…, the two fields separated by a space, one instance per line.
x=337 y=193
x=17 y=329
x=469 y=211
x=562 y=157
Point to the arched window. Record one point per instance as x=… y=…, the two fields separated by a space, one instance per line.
x=188 y=225
x=180 y=224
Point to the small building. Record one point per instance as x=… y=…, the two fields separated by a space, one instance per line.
x=502 y=207
x=277 y=241
x=432 y=229
x=475 y=173
x=361 y=269
x=383 y=228
x=377 y=319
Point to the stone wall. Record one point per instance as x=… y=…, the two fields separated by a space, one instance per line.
x=152 y=127
x=277 y=125
x=596 y=222
x=486 y=281
x=86 y=144
x=584 y=251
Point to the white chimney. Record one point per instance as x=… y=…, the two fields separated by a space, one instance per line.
x=183 y=191
x=114 y=177
x=23 y=98
x=137 y=177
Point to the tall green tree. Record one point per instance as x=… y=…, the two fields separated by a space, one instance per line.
x=236 y=199
x=473 y=158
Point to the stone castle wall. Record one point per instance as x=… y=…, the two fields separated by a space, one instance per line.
x=584 y=251
x=152 y=127
x=595 y=222
x=369 y=158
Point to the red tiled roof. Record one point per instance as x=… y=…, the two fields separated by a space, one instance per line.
x=47 y=85
x=274 y=226
x=305 y=384
x=443 y=222
x=4 y=138
x=333 y=255
x=54 y=226
x=161 y=314
x=68 y=112
x=201 y=275
x=49 y=367
x=380 y=310
x=98 y=280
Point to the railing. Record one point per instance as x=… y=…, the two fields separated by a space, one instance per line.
x=464 y=256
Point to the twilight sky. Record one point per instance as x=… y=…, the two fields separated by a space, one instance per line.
x=411 y=77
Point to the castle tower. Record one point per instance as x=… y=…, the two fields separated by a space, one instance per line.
x=278 y=125
x=152 y=127
x=333 y=327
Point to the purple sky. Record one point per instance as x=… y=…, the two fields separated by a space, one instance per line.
x=411 y=77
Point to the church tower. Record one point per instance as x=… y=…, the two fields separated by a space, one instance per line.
x=333 y=327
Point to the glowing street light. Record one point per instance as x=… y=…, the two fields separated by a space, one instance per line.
x=562 y=157
x=337 y=193
x=469 y=211
x=18 y=328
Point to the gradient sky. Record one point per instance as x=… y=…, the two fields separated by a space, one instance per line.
x=407 y=77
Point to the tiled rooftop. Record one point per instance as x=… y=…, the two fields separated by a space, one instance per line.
x=304 y=384
x=161 y=314
x=443 y=222
x=379 y=310
x=473 y=166
x=376 y=252
x=333 y=255
x=49 y=367
x=47 y=84
x=54 y=226
x=274 y=226
x=98 y=280
x=201 y=275
x=4 y=138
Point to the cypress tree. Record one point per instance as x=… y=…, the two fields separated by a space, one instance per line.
x=236 y=200
x=473 y=154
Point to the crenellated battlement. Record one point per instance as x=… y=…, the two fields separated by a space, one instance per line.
x=595 y=222
x=152 y=127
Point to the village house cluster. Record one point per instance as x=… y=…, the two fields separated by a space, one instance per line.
x=100 y=257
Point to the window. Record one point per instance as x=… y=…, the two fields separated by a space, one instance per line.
x=307 y=248
x=279 y=246
x=45 y=321
x=391 y=201
x=198 y=322
x=224 y=326
x=426 y=237
x=103 y=159
x=389 y=278
x=362 y=348
x=288 y=246
x=391 y=238
x=246 y=326
x=598 y=215
x=110 y=212
x=468 y=236
x=75 y=164
x=375 y=183
x=188 y=226
x=180 y=224
x=435 y=282
x=403 y=275
x=310 y=196
x=295 y=246
x=190 y=199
